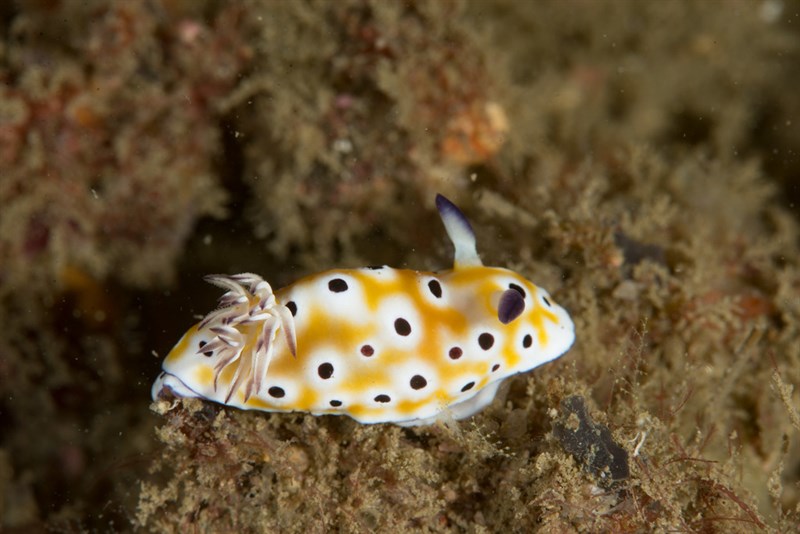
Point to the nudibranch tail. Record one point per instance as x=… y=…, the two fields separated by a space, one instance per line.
x=249 y=300
x=460 y=232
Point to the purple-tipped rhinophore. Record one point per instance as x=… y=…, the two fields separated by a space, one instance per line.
x=511 y=306
x=460 y=232
x=450 y=212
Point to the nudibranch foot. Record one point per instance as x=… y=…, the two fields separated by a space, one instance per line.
x=249 y=302
x=459 y=410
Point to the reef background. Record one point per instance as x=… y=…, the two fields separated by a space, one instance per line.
x=638 y=159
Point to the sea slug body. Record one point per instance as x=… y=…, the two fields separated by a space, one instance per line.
x=376 y=344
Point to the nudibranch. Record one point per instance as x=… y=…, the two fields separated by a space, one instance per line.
x=376 y=344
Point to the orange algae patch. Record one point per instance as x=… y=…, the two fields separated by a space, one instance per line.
x=475 y=134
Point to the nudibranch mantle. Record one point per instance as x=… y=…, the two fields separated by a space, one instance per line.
x=376 y=344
